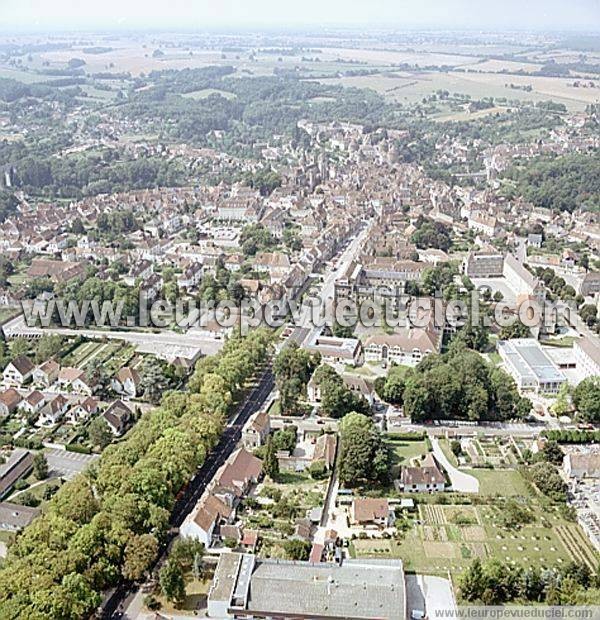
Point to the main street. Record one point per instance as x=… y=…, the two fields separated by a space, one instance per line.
x=125 y=600
x=126 y=595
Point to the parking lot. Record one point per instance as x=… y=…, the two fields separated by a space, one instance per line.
x=62 y=464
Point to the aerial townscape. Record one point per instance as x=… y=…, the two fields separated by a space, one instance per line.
x=298 y=320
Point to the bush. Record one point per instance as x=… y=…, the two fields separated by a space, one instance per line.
x=318 y=470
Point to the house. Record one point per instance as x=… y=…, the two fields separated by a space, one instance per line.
x=256 y=430
x=18 y=372
x=33 y=402
x=426 y=478
x=46 y=374
x=18 y=465
x=127 y=382
x=202 y=523
x=67 y=375
x=84 y=385
x=590 y=284
x=216 y=507
x=52 y=412
x=325 y=450
x=118 y=417
x=371 y=511
x=14 y=517
x=82 y=410
x=582 y=465
x=337 y=351
x=9 y=401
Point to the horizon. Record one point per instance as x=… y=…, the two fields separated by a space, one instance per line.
x=193 y=15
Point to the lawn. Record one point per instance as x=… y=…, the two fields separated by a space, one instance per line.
x=7 y=313
x=404 y=451
x=447 y=538
x=501 y=482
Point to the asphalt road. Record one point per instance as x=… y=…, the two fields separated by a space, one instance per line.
x=124 y=593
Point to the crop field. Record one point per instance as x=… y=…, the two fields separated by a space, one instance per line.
x=413 y=87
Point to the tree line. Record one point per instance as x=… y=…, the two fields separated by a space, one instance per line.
x=108 y=522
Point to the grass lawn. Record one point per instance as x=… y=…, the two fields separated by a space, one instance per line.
x=404 y=451
x=501 y=482
x=7 y=313
x=439 y=543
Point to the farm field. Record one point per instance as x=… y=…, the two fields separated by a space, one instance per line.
x=411 y=88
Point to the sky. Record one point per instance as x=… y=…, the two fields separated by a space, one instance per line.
x=207 y=14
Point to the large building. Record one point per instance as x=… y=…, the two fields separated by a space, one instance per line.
x=245 y=586
x=530 y=367
x=587 y=357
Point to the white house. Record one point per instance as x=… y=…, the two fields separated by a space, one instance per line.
x=127 y=382
x=18 y=371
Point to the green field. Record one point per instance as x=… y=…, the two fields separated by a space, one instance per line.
x=447 y=538
x=404 y=451
x=500 y=482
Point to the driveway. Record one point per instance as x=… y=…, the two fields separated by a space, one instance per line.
x=461 y=482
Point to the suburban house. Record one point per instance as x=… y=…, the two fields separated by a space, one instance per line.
x=585 y=465
x=118 y=417
x=371 y=511
x=52 y=412
x=46 y=374
x=18 y=465
x=427 y=478
x=256 y=430
x=33 y=402
x=210 y=512
x=18 y=372
x=9 y=401
x=67 y=376
x=127 y=382
x=83 y=410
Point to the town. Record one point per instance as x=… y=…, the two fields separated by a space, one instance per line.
x=323 y=464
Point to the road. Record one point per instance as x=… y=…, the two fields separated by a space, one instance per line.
x=126 y=595
x=461 y=482
x=166 y=344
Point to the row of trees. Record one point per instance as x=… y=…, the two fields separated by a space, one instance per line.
x=495 y=583
x=109 y=521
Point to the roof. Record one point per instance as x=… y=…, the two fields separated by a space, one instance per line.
x=357 y=589
x=23 y=364
x=240 y=468
x=15 y=516
x=49 y=367
x=428 y=473
x=591 y=347
x=589 y=462
x=407 y=340
x=325 y=449
x=128 y=373
x=70 y=374
x=530 y=361
x=11 y=398
x=35 y=398
x=367 y=509
x=17 y=465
